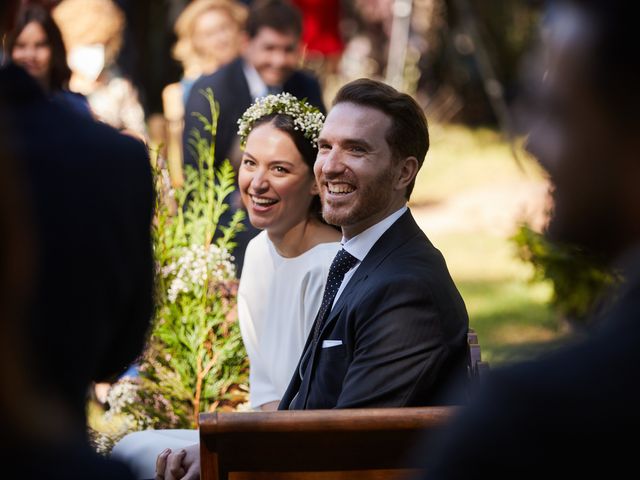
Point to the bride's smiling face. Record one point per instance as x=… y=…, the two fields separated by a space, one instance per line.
x=276 y=184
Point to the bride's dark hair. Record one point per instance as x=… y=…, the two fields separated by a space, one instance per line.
x=307 y=149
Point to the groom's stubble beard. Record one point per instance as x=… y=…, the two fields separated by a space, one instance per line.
x=371 y=198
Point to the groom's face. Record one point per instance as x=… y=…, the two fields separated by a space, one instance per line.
x=355 y=168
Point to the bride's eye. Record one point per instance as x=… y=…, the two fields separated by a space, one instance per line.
x=247 y=162
x=280 y=169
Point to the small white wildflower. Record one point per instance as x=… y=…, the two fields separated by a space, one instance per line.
x=306 y=118
x=195 y=266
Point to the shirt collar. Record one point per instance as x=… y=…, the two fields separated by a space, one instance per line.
x=360 y=245
x=257 y=87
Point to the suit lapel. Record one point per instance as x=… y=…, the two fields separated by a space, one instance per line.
x=395 y=236
x=239 y=84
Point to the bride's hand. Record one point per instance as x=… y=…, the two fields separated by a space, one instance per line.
x=181 y=465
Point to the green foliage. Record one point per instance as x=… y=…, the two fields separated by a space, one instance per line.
x=195 y=359
x=578 y=280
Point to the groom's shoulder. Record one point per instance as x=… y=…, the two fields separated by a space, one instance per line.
x=411 y=260
x=409 y=246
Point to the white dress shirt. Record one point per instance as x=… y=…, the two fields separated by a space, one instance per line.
x=360 y=245
x=257 y=87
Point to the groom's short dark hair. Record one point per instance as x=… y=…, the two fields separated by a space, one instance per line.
x=408 y=135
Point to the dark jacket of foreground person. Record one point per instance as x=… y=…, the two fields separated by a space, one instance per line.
x=574 y=413
x=88 y=191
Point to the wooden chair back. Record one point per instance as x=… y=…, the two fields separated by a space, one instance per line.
x=476 y=367
x=362 y=444
x=365 y=444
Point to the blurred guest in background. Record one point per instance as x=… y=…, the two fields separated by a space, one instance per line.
x=36 y=45
x=208 y=37
x=575 y=413
x=268 y=64
x=92 y=31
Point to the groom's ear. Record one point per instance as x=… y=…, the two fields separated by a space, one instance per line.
x=406 y=173
x=315 y=188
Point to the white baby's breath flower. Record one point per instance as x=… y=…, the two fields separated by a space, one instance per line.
x=195 y=266
x=306 y=118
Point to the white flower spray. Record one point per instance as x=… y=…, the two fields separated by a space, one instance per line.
x=306 y=118
x=196 y=266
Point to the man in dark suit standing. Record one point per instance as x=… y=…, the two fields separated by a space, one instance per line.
x=268 y=64
x=574 y=414
x=391 y=331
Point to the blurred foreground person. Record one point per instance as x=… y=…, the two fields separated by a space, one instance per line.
x=574 y=413
x=36 y=45
x=84 y=310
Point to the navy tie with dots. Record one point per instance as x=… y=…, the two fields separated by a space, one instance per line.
x=342 y=263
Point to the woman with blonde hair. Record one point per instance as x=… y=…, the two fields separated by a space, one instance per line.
x=208 y=34
x=93 y=32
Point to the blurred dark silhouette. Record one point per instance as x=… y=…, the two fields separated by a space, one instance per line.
x=574 y=413
x=78 y=272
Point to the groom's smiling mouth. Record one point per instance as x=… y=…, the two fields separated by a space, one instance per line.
x=340 y=188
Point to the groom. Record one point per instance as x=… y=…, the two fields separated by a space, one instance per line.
x=391 y=331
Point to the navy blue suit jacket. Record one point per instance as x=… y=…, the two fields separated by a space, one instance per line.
x=403 y=327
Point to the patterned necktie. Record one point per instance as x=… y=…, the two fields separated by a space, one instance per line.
x=342 y=263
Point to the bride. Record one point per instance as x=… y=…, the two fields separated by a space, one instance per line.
x=288 y=263
x=285 y=269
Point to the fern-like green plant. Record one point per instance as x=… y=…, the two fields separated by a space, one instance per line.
x=195 y=359
x=577 y=278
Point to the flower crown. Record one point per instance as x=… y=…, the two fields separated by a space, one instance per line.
x=306 y=118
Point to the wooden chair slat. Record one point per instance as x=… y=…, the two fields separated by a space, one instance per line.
x=355 y=444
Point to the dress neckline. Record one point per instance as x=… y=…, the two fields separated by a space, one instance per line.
x=274 y=251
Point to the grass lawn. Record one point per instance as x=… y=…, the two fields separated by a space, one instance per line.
x=461 y=158
x=509 y=313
